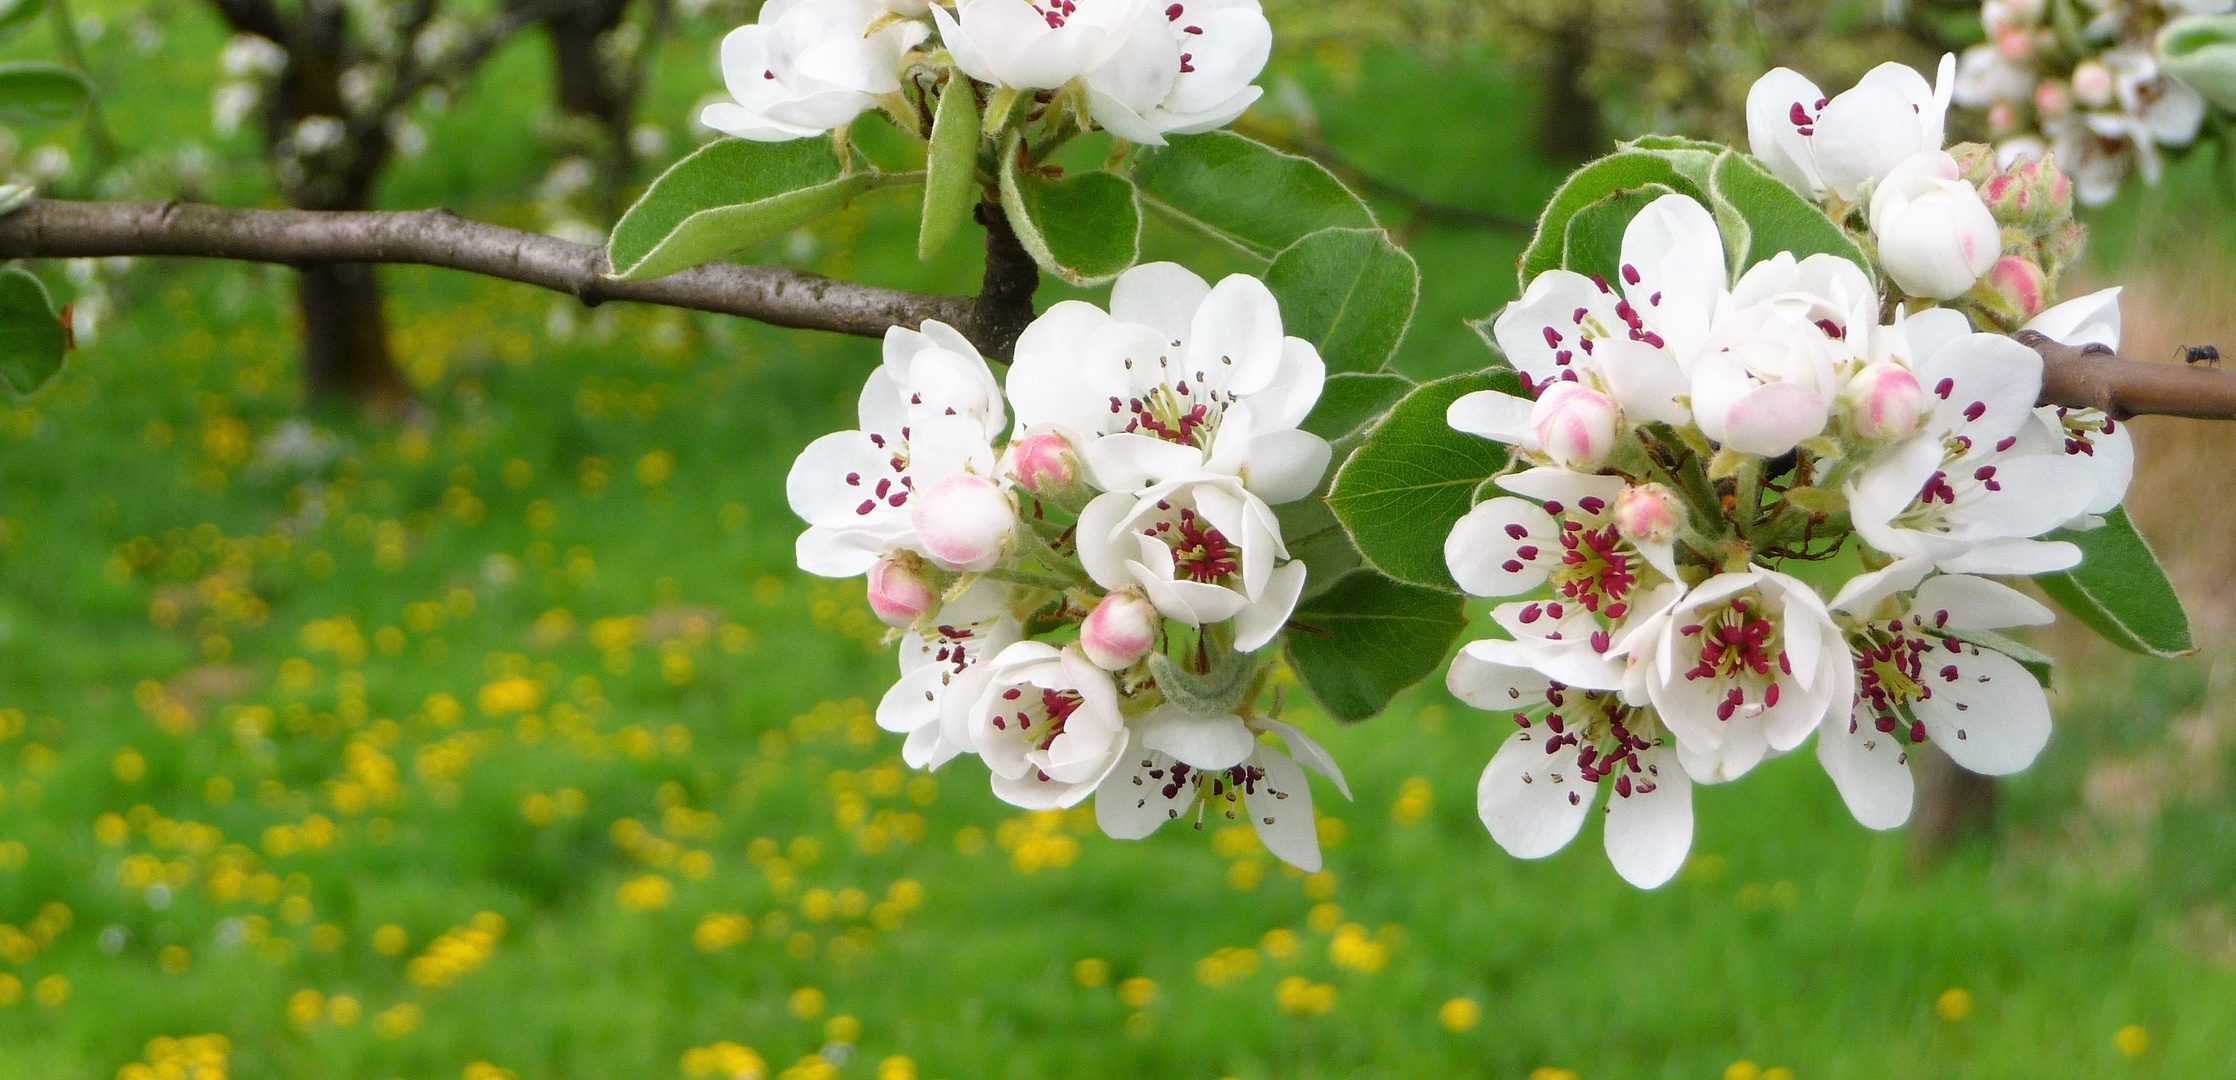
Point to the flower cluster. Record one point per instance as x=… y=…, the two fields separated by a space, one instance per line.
x=1080 y=606
x=1141 y=69
x=2089 y=90
x=1680 y=599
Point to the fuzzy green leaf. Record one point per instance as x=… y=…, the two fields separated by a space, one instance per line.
x=1084 y=228
x=1629 y=170
x=1246 y=193
x=1595 y=235
x=951 y=186
x=41 y=93
x=1778 y=217
x=730 y=195
x=2120 y=590
x=1351 y=401
x=1402 y=490
x=32 y=339
x=1365 y=638
x=1350 y=292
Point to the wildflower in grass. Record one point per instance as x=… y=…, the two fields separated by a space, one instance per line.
x=1843 y=144
x=1919 y=678
x=808 y=66
x=1183 y=68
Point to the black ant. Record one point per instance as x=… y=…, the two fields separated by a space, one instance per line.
x=2199 y=354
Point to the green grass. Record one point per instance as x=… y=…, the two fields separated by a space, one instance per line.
x=168 y=597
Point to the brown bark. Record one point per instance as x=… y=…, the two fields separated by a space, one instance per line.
x=345 y=337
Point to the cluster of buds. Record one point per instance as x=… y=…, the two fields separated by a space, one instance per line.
x=2032 y=200
x=1090 y=608
x=2090 y=89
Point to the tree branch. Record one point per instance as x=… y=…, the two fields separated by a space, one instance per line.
x=2096 y=378
x=1005 y=299
x=61 y=229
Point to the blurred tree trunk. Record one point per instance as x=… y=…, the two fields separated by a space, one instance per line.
x=1573 y=129
x=597 y=76
x=1953 y=804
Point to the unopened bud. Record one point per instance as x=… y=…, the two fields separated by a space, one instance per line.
x=1647 y=513
x=900 y=593
x=2092 y=84
x=2014 y=44
x=2017 y=285
x=2058 y=249
x=1975 y=162
x=1575 y=425
x=1120 y=631
x=964 y=522
x=2052 y=99
x=2052 y=190
x=2003 y=117
x=1883 y=402
x=1046 y=466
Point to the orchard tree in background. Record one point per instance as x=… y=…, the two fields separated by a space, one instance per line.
x=338 y=85
x=1750 y=470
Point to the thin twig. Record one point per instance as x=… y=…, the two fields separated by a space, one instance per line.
x=2092 y=377
x=55 y=228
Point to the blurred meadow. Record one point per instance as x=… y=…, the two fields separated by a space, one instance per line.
x=506 y=743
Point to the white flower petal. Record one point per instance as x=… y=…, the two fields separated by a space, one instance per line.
x=1871 y=769
x=1533 y=802
x=1987 y=712
x=1650 y=830
x=1203 y=742
x=1280 y=807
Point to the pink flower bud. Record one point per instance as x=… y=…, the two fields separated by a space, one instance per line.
x=1883 y=402
x=2014 y=44
x=899 y=591
x=2092 y=84
x=1647 y=513
x=964 y=522
x=2052 y=99
x=1976 y=163
x=2052 y=190
x=1120 y=631
x=1575 y=425
x=2003 y=117
x=1045 y=465
x=2017 y=288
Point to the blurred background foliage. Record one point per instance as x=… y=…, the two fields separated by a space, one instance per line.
x=503 y=740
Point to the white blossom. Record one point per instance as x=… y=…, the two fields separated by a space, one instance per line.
x=1918 y=679
x=943 y=671
x=1844 y=144
x=1538 y=788
x=1185 y=67
x=1936 y=238
x=1179 y=379
x=1204 y=550
x=927 y=413
x=809 y=66
x=1047 y=725
x=1152 y=786
x=1035 y=44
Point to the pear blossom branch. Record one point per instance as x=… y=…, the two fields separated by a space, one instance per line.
x=2096 y=378
x=55 y=228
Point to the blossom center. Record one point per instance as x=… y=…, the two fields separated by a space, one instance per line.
x=1595 y=569
x=892 y=491
x=1740 y=646
x=1608 y=735
x=1200 y=552
x=1057 y=12
x=1171 y=412
x=1040 y=715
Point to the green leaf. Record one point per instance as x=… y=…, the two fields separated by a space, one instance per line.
x=32 y=338
x=730 y=195
x=1626 y=171
x=1350 y=292
x=1778 y=217
x=1245 y=192
x=951 y=168
x=1402 y=490
x=1352 y=400
x=1366 y=638
x=2201 y=50
x=1084 y=228
x=17 y=14
x=1315 y=538
x=2120 y=591
x=1594 y=244
x=41 y=93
